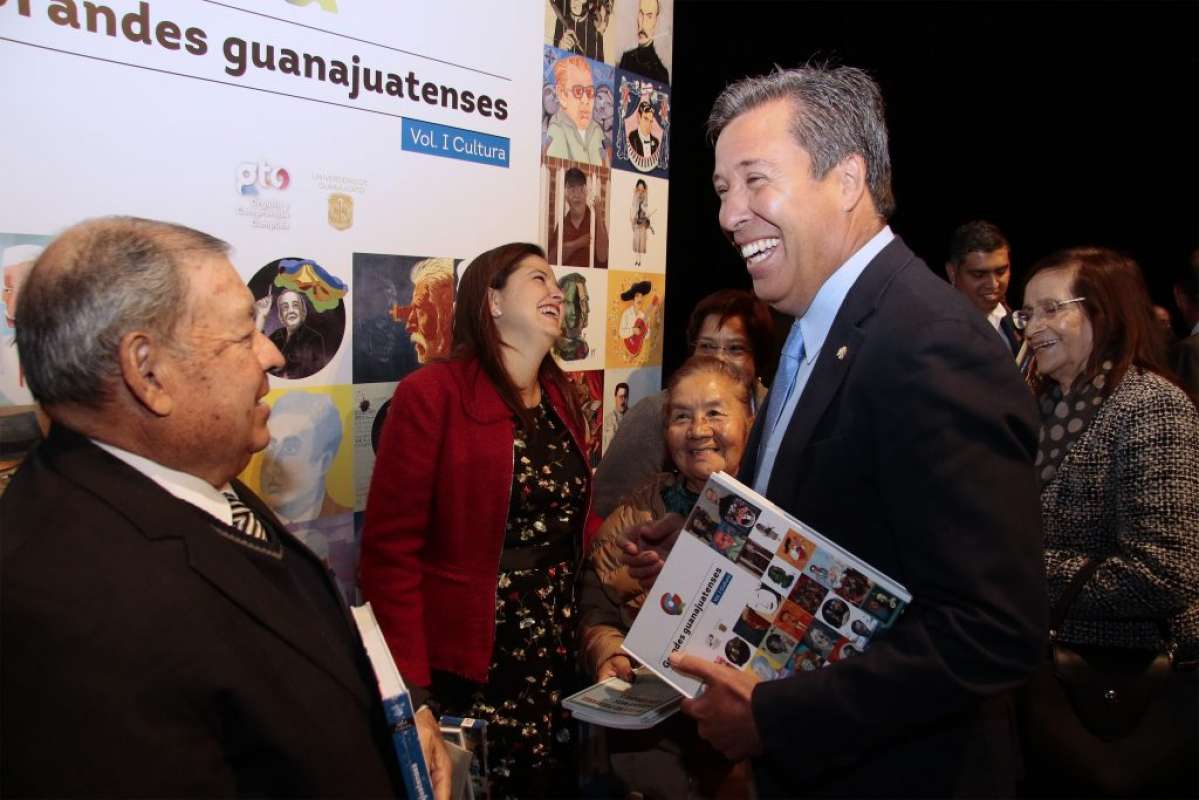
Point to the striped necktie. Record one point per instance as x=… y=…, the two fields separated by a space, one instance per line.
x=244 y=519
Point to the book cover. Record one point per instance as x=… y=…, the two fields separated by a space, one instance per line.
x=397 y=703
x=748 y=585
x=616 y=703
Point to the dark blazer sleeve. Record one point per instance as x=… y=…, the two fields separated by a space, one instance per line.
x=923 y=467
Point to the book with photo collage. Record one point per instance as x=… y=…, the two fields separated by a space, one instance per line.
x=748 y=585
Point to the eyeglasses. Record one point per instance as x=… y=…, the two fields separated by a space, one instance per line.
x=579 y=91
x=706 y=347
x=1049 y=309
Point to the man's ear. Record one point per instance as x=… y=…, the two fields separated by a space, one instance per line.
x=141 y=360
x=851 y=180
x=951 y=271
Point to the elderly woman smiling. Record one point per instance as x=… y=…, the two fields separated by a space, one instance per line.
x=706 y=423
x=1118 y=460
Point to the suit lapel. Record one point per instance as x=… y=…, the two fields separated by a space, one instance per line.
x=157 y=515
x=845 y=339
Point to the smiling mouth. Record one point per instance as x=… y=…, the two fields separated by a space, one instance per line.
x=554 y=312
x=757 y=250
x=1041 y=345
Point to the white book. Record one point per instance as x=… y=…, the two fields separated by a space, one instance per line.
x=748 y=585
x=397 y=704
x=616 y=703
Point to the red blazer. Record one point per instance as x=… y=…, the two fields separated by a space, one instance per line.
x=435 y=518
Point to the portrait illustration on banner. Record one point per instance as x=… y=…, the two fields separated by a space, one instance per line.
x=299 y=305
x=588 y=386
x=634 y=319
x=576 y=199
x=17 y=254
x=580 y=27
x=577 y=108
x=639 y=221
x=642 y=138
x=403 y=314
x=305 y=472
x=584 y=291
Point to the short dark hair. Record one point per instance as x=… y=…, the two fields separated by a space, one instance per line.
x=836 y=112
x=575 y=177
x=619 y=386
x=96 y=282
x=976 y=236
x=754 y=315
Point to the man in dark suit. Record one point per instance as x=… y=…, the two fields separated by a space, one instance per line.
x=899 y=430
x=163 y=635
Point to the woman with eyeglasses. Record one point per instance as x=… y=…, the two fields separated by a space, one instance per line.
x=1118 y=465
x=732 y=325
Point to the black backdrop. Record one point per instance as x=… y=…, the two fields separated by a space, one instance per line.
x=1064 y=123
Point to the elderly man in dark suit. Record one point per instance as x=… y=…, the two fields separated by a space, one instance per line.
x=896 y=427
x=163 y=634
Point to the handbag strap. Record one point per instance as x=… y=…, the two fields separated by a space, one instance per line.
x=1057 y=616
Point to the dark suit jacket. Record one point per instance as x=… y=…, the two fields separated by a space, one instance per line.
x=1186 y=363
x=913 y=449
x=145 y=653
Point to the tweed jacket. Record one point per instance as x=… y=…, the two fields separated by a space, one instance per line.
x=1129 y=491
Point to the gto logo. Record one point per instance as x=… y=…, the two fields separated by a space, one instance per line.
x=326 y=5
x=252 y=177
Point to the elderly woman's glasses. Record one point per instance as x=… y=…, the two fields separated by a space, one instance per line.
x=1049 y=309
x=707 y=347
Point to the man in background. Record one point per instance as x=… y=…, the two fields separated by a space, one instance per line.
x=980 y=267
x=163 y=634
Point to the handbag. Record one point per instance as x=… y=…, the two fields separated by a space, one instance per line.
x=1107 y=720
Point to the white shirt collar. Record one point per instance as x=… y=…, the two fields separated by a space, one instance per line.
x=996 y=316
x=188 y=488
x=818 y=319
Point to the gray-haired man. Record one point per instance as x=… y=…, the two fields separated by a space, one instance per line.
x=163 y=634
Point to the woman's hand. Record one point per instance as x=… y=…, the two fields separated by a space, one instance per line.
x=618 y=665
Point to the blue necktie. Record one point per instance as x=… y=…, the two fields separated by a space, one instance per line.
x=784 y=381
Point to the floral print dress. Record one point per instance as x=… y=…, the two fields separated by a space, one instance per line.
x=531 y=740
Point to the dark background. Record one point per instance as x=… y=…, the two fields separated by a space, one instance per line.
x=1064 y=123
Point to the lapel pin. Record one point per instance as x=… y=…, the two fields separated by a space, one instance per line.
x=841 y=353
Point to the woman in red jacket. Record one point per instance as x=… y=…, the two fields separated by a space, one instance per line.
x=474 y=524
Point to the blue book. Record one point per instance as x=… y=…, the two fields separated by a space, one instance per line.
x=397 y=703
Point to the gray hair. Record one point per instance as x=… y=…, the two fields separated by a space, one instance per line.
x=836 y=112
x=433 y=269
x=96 y=282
